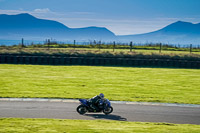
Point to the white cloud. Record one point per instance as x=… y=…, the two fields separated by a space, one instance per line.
x=36 y=11
x=45 y=10
x=12 y=12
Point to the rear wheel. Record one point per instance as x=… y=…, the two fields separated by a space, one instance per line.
x=81 y=109
x=108 y=110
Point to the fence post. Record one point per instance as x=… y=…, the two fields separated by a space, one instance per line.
x=114 y=46
x=22 y=42
x=190 y=48
x=131 y=46
x=74 y=44
x=48 y=43
x=160 y=48
x=99 y=45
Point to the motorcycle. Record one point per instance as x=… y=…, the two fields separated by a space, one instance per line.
x=104 y=106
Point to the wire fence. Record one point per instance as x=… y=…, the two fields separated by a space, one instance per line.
x=106 y=46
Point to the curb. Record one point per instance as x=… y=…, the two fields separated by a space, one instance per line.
x=39 y=100
x=115 y=102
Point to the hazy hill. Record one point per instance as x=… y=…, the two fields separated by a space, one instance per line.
x=30 y=27
x=179 y=33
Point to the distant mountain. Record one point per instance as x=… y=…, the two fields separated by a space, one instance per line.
x=176 y=33
x=181 y=27
x=30 y=27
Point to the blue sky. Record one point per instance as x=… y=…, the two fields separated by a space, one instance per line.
x=120 y=16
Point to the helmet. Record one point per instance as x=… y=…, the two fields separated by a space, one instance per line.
x=101 y=95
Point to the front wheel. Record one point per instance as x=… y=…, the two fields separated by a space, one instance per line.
x=108 y=110
x=81 y=109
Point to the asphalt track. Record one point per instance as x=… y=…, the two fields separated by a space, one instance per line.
x=122 y=112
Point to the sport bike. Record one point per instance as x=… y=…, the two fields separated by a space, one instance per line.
x=103 y=106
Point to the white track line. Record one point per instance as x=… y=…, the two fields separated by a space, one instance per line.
x=116 y=102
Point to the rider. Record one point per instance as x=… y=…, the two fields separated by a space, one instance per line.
x=94 y=102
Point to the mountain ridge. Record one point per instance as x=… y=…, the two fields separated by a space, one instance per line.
x=26 y=25
x=179 y=32
x=30 y=27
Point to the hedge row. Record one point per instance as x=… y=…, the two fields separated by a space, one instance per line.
x=97 y=61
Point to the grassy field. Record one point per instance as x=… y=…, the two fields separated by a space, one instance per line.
x=117 y=83
x=18 y=125
x=144 y=51
x=96 y=50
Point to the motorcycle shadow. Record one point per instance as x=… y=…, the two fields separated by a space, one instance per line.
x=109 y=117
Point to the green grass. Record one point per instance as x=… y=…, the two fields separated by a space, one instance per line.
x=104 y=46
x=105 y=53
x=142 y=53
x=117 y=83
x=17 y=125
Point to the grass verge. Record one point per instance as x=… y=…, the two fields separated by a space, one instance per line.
x=117 y=83
x=19 y=125
x=82 y=52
